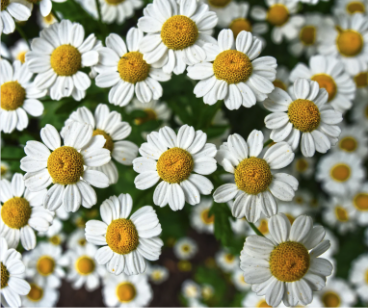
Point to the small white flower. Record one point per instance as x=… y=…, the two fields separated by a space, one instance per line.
x=45 y=6
x=76 y=239
x=55 y=234
x=46 y=21
x=227 y=261
x=40 y=296
x=224 y=9
x=359 y=276
x=358 y=203
x=350 y=7
x=191 y=290
x=237 y=278
x=155 y=110
x=352 y=140
x=303 y=167
x=5 y=171
x=158 y=274
x=251 y=299
x=200 y=218
x=337 y=293
x=12 y=10
x=19 y=50
x=359 y=112
x=282 y=78
x=185 y=248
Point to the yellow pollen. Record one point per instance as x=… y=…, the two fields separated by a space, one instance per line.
x=122 y=236
x=185 y=248
x=4 y=4
x=66 y=60
x=229 y=258
x=65 y=165
x=12 y=95
x=114 y=2
x=206 y=218
x=175 y=165
x=82 y=242
x=299 y=200
x=16 y=212
x=253 y=175
x=126 y=292
x=304 y=115
x=340 y=172
x=326 y=82
x=278 y=15
x=49 y=18
x=156 y=275
x=289 y=261
x=219 y=3
x=85 y=265
x=341 y=214
x=263 y=226
x=36 y=293
x=348 y=144
x=232 y=66
x=307 y=35
x=291 y=218
x=355 y=7
x=22 y=56
x=55 y=240
x=301 y=165
x=4 y=276
x=263 y=304
x=361 y=80
x=361 y=201
x=132 y=68
x=151 y=115
x=184 y=266
x=240 y=24
x=4 y=170
x=279 y=84
x=349 y=43
x=45 y=265
x=331 y=299
x=109 y=144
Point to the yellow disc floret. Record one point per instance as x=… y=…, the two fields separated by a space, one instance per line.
x=361 y=201
x=304 y=115
x=132 y=68
x=179 y=32
x=55 y=240
x=289 y=261
x=22 y=56
x=4 y=4
x=45 y=265
x=278 y=15
x=175 y=165
x=151 y=115
x=109 y=144
x=85 y=265
x=126 y=292
x=301 y=165
x=232 y=66
x=65 y=165
x=122 y=236
x=349 y=43
x=326 y=82
x=49 y=19
x=361 y=80
x=12 y=95
x=66 y=60
x=348 y=144
x=36 y=293
x=355 y=7
x=229 y=258
x=279 y=84
x=331 y=299
x=240 y=24
x=206 y=218
x=263 y=304
x=219 y=3
x=16 y=212
x=307 y=35
x=253 y=175
x=4 y=276
x=263 y=226
x=341 y=214
x=340 y=172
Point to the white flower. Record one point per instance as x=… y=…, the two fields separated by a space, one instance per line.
x=305 y=113
x=46 y=21
x=171 y=159
x=341 y=173
x=12 y=272
x=282 y=78
x=158 y=274
x=4 y=51
x=337 y=293
x=256 y=185
x=283 y=268
x=5 y=171
x=40 y=296
x=57 y=57
x=253 y=300
x=126 y=291
x=19 y=50
x=360 y=111
x=18 y=96
x=200 y=218
x=232 y=73
x=114 y=130
x=361 y=82
x=45 y=6
x=55 y=234
x=358 y=276
x=237 y=277
x=334 y=248
x=350 y=7
x=227 y=261
x=127 y=241
x=224 y=9
x=353 y=139
x=177 y=31
x=64 y=167
x=22 y=213
x=303 y=166
x=76 y=239
x=185 y=248
x=358 y=203
x=10 y=10
x=291 y=210
x=191 y=290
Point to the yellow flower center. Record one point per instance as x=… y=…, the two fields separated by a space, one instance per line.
x=326 y=82
x=12 y=95
x=278 y=15
x=85 y=265
x=109 y=144
x=150 y=116
x=361 y=80
x=290 y=217
x=16 y=212
x=122 y=236
x=185 y=248
x=240 y=24
x=80 y=222
x=22 y=56
x=341 y=214
x=279 y=84
x=348 y=144
x=301 y=165
x=126 y=292
x=179 y=32
x=307 y=35
x=65 y=165
x=82 y=242
x=340 y=172
x=55 y=240
x=263 y=304
x=366 y=276
x=156 y=275
x=253 y=175
x=232 y=66
x=4 y=4
x=361 y=201
x=355 y=7
x=349 y=43
x=229 y=258
x=175 y=165
x=45 y=265
x=331 y=299
x=66 y=60
x=206 y=218
x=4 y=276
x=184 y=266
x=289 y=261
x=4 y=170
x=132 y=68
x=114 y=2
x=49 y=18
x=219 y=3
x=304 y=115
x=263 y=226
x=36 y=293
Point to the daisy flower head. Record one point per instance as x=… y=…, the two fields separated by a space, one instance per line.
x=158 y=274
x=76 y=239
x=361 y=82
x=185 y=248
x=350 y=7
x=19 y=96
x=359 y=112
x=57 y=57
x=126 y=291
x=227 y=261
x=256 y=186
x=55 y=234
x=201 y=220
x=358 y=203
x=341 y=173
x=337 y=293
x=124 y=68
x=65 y=167
x=291 y=210
x=155 y=110
x=177 y=31
x=303 y=167
x=11 y=11
x=359 y=276
x=191 y=290
x=172 y=159
x=284 y=268
x=46 y=21
x=114 y=130
x=40 y=296
x=305 y=113
x=22 y=213
x=126 y=242
x=225 y=10
x=237 y=277
x=44 y=5
x=5 y=171
x=251 y=299
x=19 y=50
x=282 y=78
x=232 y=71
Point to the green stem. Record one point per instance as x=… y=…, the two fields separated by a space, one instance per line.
x=54 y=13
x=268 y=142
x=98 y=5
x=255 y=229
x=22 y=34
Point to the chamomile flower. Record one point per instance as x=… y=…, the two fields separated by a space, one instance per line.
x=353 y=139
x=227 y=261
x=185 y=248
x=76 y=239
x=172 y=159
x=5 y=171
x=40 y=296
x=126 y=242
x=358 y=202
x=282 y=78
x=19 y=96
x=361 y=82
x=304 y=113
x=126 y=291
x=19 y=50
x=64 y=167
x=337 y=293
x=11 y=11
x=57 y=57
x=158 y=274
x=191 y=290
x=291 y=210
x=200 y=218
x=280 y=15
x=123 y=67
x=46 y=21
x=360 y=111
x=224 y=9
x=237 y=277
x=253 y=300
x=207 y=291
x=340 y=173
x=330 y=75
x=303 y=167
x=283 y=268
x=359 y=276
x=177 y=31
x=22 y=213
x=262 y=225
x=44 y=5
x=350 y=7
x=256 y=186
x=232 y=71
x=54 y=234
x=240 y=226
x=155 y=110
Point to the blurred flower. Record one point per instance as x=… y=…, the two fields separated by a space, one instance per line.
x=200 y=218
x=155 y=110
x=40 y=296
x=207 y=291
x=185 y=248
x=253 y=300
x=282 y=78
x=48 y=20
x=76 y=239
x=360 y=111
x=11 y=11
x=358 y=203
x=227 y=261
x=334 y=248
x=158 y=274
x=359 y=276
x=45 y=6
x=303 y=167
x=19 y=50
x=5 y=171
x=54 y=233
x=350 y=7
x=224 y=9
x=237 y=277
x=191 y=290
x=337 y=293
